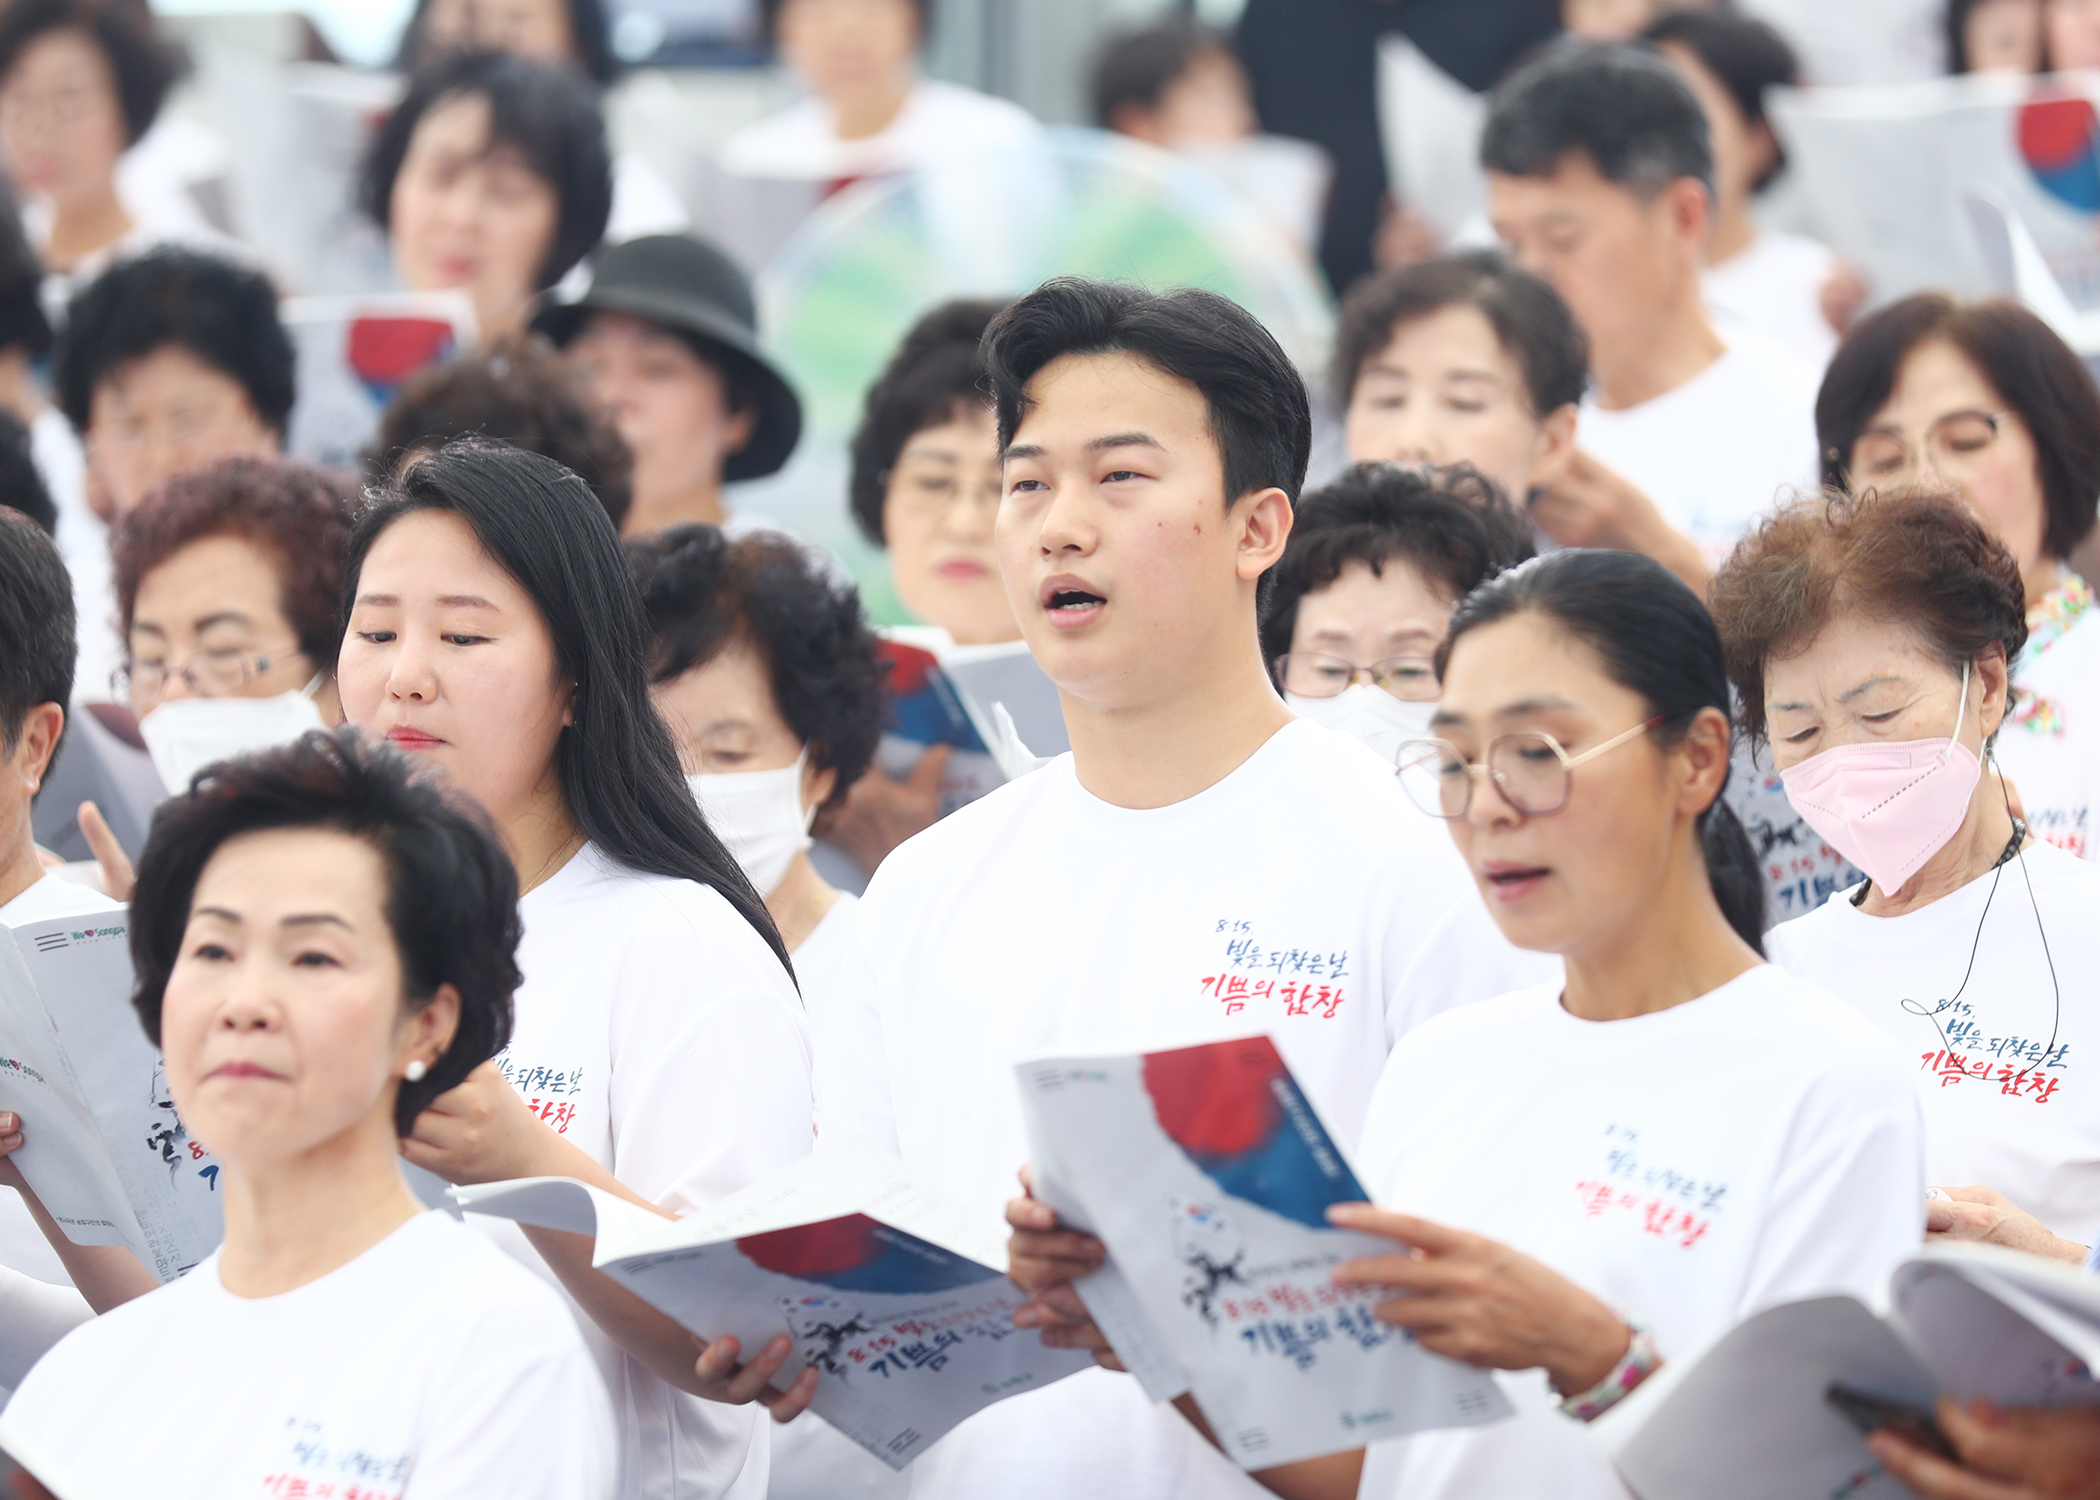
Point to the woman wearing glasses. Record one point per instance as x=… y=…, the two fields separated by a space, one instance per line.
x=1984 y=399
x=1375 y=565
x=1589 y=1178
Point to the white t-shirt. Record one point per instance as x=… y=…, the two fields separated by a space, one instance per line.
x=939 y=121
x=657 y=1031
x=1288 y=898
x=2003 y=1069
x=429 y=1366
x=83 y=541
x=2050 y=742
x=1716 y=451
x=1753 y=1146
x=1773 y=288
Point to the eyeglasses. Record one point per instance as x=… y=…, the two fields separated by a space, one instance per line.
x=1530 y=769
x=219 y=672
x=1314 y=674
x=1952 y=441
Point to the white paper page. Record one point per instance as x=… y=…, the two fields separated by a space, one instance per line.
x=1977 y=1344
x=1208 y=1175
x=82 y=970
x=1747 y=1419
x=1008 y=674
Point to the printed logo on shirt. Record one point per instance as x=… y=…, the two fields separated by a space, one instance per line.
x=1303 y=981
x=316 y=1468
x=1676 y=1207
x=550 y=1093
x=2019 y=1067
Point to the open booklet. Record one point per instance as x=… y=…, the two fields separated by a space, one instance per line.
x=1754 y=1418
x=1208 y=1175
x=993 y=704
x=353 y=354
x=102 y=1145
x=885 y=1287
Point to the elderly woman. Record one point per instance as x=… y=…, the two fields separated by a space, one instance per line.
x=229 y=596
x=1876 y=642
x=1983 y=398
x=324 y=945
x=491 y=177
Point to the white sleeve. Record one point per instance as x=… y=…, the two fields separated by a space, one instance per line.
x=710 y=1087
x=519 y=1424
x=34 y=1315
x=851 y=1062
x=1848 y=1203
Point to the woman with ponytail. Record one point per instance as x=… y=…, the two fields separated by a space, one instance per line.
x=659 y=1050
x=1589 y=1178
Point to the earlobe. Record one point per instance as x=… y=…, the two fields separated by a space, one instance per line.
x=1556 y=448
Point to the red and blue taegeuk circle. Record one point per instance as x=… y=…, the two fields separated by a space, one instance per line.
x=2059 y=137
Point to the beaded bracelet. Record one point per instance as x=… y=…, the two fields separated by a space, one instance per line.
x=1640 y=1360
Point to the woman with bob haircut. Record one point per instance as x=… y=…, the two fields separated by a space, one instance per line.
x=1640 y=1178
x=1874 y=643
x=1985 y=400
x=495 y=632
x=1360 y=600
x=492 y=177
x=324 y=944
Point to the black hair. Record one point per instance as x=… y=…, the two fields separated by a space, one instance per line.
x=618 y=768
x=1954 y=24
x=519 y=391
x=590 y=31
x=936 y=374
x=451 y=891
x=1618 y=104
x=1530 y=321
x=222 y=312
x=24 y=325
x=21 y=482
x=1138 y=67
x=1258 y=408
x=1746 y=56
x=1652 y=636
x=701 y=591
x=1455 y=526
x=142 y=67
x=769 y=18
x=37 y=643
x=548 y=114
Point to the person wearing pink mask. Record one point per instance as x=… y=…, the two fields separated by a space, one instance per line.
x=1873 y=642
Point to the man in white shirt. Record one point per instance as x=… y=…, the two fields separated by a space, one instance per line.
x=1600 y=179
x=1201 y=865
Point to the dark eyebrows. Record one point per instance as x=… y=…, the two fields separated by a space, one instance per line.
x=1125 y=440
x=317 y=919
x=1532 y=706
x=1872 y=682
x=1020 y=450
x=223 y=617
x=466 y=601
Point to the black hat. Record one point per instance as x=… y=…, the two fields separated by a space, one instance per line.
x=690 y=287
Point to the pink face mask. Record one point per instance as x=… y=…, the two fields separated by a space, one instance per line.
x=1888 y=808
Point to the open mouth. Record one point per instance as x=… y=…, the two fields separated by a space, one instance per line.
x=1070 y=601
x=1512 y=882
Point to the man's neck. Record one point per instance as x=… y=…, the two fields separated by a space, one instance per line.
x=1170 y=747
x=21 y=869
x=1732 y=234
x=1678 y=346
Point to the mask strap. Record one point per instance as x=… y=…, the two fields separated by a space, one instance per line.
x=313 y=687
x=1959 y=713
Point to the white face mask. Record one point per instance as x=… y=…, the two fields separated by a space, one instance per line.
x=187 y=734
x=759 y=815
x=1372 y=714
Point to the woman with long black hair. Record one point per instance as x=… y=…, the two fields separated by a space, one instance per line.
x=1588 y=1178
x=659 y=1050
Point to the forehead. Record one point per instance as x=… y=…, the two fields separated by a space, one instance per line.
x=1938 y=376
x=732 y=685
x=282 y=871
x=61 y=55
x=1520 y=658
x=213 y=574
x=1457 y=336
x=1574 y=187
x=608 y=327
x=1847 y=651
x=1079 y=397
x=169 y=373
x=434 y=552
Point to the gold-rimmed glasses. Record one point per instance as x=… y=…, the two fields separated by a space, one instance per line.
x=1530 y=767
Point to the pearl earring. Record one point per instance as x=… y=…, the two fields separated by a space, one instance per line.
x=415 y=1070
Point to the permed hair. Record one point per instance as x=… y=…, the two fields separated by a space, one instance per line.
x=141 y=66
x=1618 y=104
x=223 y=313
x=702 y=591
x=451 y=897
x=936 y=374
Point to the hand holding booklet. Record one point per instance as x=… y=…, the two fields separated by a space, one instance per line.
x=1774 y=1408
x=1208 y=1175
x=883 y=1286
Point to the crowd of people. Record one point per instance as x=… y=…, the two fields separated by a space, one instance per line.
x=1669 y=723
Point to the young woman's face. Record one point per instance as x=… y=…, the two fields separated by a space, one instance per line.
x=2004 y=36
x=214 y=608
x=1444 y=391
x=61 y=127
x=1865 y=682
x=843 y=48
x=469 y=213
x=724 y=718
x=1208 y=104
x=671 y=405
x=1555 y=882
x=1365 y=618
x=938 y=510
x=1945 y=422
x=448 y=657
x=284 y=1025
x=163 y=414
x=2073 y=31
x=534 y=29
